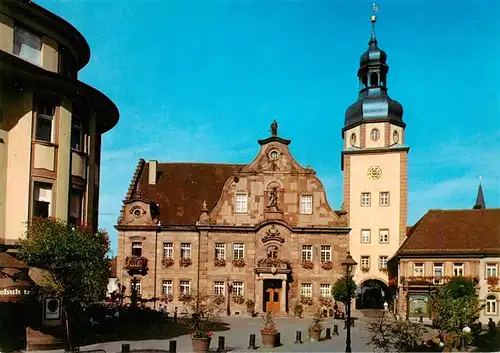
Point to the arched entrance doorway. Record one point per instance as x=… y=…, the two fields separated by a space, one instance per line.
x=371 y=294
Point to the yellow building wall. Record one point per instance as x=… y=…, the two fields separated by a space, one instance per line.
x=43 y=157
x=63 y=161
x=6 y=33
x=19 y=110
x=49 y=55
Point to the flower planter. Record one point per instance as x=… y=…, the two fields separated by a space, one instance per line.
x=315 y=335
x=200 y=344
x=268 y=339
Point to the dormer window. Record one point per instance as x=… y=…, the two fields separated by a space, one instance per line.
x=241 y=203
x=306 y=204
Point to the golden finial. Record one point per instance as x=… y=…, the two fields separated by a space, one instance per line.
x=374 y=9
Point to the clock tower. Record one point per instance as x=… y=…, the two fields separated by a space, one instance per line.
x=374 y=163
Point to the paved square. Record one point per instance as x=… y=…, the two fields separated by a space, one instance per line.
x=237 y=338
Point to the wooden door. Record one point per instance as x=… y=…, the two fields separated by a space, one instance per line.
x=273 y=303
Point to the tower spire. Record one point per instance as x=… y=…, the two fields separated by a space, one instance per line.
x=480 y=204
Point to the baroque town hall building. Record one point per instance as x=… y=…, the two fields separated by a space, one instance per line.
x=265 y=231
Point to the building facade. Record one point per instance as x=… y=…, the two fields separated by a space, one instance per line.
x=375 y=163
x=445 y=244
x=50 y=122
x=262 y=232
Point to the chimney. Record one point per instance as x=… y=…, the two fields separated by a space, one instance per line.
x=152 y=172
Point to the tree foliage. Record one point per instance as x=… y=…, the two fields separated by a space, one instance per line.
x=390 y=335
x=455 y=305
x=74 y=260
x=342 y=287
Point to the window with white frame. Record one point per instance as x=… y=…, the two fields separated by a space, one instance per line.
x=306 y=204
x=185 y=287
x=168 y=250
x=167 y=287
x=326 y=253
x=382 y=262
x=491 y=270
x=458 y=270
x=307 y=252
x=383 y=236
x=241 y=203
x=306 y=290
x=365 y=199
x=42 y=200
x=27 y=45
x=220 y=251
x=137 y=249
x=384 y=198
x=438 y=271
x=238 y=288
x=238 y=251
x=185 y=250
x=325 y=290
x=491 y=305
x=219 y=287
x=365 y=236
x=365 y=262
x=45 y=120
x=418 y=270
x=136 y=285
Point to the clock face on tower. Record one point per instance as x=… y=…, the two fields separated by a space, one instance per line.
x=374 y=172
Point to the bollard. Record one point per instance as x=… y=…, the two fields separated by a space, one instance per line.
x=336 y=330
x=277 y=342
x=251 y=344
x=125 y=348
x=298 y=337
x=328 y=335
x=421 y=319
x=352 y=322
x=463 y=348
x=172 y=346
x=222 y=344
x=345 y=323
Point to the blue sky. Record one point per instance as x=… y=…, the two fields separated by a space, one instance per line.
x=202 y=80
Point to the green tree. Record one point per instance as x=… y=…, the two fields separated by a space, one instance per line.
x=342 y=287
x=455 y=305
x=74 y=263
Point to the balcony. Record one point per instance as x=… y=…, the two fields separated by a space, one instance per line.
x=273 y=265
x=136 y=264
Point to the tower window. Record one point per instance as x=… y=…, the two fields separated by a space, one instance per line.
x=365 y=199
x=374 y=80
x=42 y=198
x=384 y=198
x=374 y=134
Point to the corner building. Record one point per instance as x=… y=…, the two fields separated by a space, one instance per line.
x=50 y=122
x=375 y=163
x=262 y=232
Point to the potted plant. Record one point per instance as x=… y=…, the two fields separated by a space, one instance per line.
x=327 y=265
x=306 y=300
x=316 y=326
x=239 y=263
x=238 y=299
x=307 y=264
x=185 y=262
x=250 y=307
x=219 y=262
x=167 y=262
x=269 y=331
x=219 y=299
x=204 y=317
x=298 y=310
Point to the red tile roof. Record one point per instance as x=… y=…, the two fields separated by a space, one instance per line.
x=181 y=188
x=454 y=231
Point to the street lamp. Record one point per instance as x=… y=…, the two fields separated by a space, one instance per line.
x=158 y=230
x=229 y=290
x=348 y=264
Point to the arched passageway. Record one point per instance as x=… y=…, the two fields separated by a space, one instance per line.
x=372 y=294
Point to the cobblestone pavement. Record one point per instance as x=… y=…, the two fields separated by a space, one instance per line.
x=237 y=338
